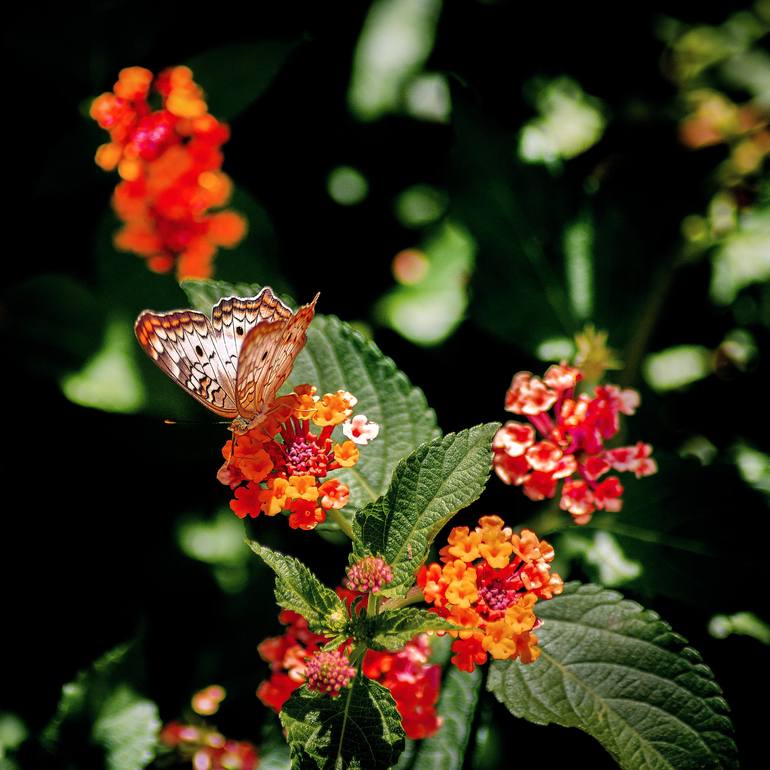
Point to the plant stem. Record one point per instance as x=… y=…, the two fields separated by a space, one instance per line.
x=339 y=519
x=413 y=596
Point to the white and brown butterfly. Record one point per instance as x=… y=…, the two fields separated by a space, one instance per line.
x=234 y=362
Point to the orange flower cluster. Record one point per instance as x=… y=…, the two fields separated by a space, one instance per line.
x=279 y=465
x=488 y=583
x=170 y=164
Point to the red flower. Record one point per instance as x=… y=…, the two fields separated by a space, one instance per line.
x=573 y=429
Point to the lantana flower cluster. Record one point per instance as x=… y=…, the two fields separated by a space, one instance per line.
x=295 y=658
x=208 y=749
x=488 y=582
x=281 y=465
x=170 y=163
x=570 y=446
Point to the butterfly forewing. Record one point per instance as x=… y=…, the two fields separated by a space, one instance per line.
x=184 y=346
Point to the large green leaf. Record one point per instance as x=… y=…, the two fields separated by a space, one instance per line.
x=338 y=357
x=457 y=705
x=233 y=76
x=618 y=672
x=298 y=589
x=428 y=488
x=360 y=729
x=102 y=708
x=392 y=629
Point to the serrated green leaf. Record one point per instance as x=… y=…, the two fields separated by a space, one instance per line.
x=338 y=357
x=360 y=729
x=392 y=629
x=298 y=589
x=102 y=707
x=456 y=706
x=618 y=672
x=428 y=488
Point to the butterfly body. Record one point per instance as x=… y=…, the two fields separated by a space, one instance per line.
x=234 y=362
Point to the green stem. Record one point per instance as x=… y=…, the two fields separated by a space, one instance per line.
x=371 y=606
x=342 y=522
x=413 y=596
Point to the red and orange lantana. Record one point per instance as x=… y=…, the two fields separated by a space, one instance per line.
x=208 y=749
x=173 y=189
x=282 y=464
x=489 y=581
x=295 y=658
x=570 y=447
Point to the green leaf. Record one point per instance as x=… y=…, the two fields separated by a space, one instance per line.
x=619 y=673
x=428 y=488
x=298 y=589
x=234 y=76
x=338 y=357
x=457 y=705
x=101 y=707
x=359 y=729
x=392 y=629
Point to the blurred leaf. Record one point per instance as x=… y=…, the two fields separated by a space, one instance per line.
x=13 y=732
x=102 y=707
x=673 y=525
x=234 y=76
x=392 y=629
x=34 y=315
x=428 y=487
x=110 y=378
x=741 y=623
x=298 y=589
x=338 y=357
x=456 y=706
x=618 y=672
x=361 y=728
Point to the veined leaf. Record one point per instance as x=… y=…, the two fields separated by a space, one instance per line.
x=392 y=629
x=360 y=729
x=619 y=673
x=338 y=357
x=298 y=589
x=428 y=488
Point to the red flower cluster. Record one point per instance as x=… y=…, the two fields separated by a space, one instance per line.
x=573 y=430
x=413 y=682
x=277 y=466
x=170 y=162
x=488 y=583
x=208 y=749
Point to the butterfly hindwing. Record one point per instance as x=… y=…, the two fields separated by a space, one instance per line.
x=184 y=346
x=267 y=357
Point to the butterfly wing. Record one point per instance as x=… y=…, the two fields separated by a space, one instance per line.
x=232 y=318
x=184 y=345
x=266 y=359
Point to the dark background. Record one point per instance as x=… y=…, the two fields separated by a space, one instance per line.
x=93 y=499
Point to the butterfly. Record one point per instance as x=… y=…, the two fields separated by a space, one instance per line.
x=234 y=362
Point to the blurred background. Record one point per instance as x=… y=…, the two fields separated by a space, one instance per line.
x=471 y=184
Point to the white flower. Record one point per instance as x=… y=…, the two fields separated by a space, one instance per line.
x=360 y=430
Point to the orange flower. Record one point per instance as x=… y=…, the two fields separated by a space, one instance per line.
x=462 y=545
x=332 y=409
x=346 y=454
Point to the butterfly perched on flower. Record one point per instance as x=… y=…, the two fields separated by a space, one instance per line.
x=234 y=362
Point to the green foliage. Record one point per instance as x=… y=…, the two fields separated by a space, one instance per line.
x=428 y=488
x=360 y=729
x=234 y=76
x=337 y=357
x=298 y=589
x=457 y=706
x=618 y=672
x=392 y=629
x=103 y=703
